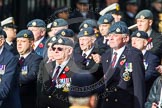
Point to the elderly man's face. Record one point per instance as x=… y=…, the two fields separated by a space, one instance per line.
x=139 y=43
x=116 y=41
x=144 y=24
x=85 y=43
x=61 y=52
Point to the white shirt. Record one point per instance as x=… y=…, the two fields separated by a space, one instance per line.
x=9 y=43
x=25 y=55
x=87 y=52
x=119 y=53
x=144 y=51
x=37 y=43
x=61 y=67
x=149 y=32
x=1 y=49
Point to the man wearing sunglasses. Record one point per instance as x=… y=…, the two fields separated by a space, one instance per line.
x=55 y=77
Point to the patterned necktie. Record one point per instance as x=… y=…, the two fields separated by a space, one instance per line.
x=21 y=61
x=114 y=59
x=56 y=72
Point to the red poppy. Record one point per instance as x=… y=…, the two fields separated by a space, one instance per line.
x=63 y=76
x=122 y=62
x=149 y=40
x=41 y=45
x=66 y=69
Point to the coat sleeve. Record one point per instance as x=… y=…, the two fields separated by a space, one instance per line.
x=154 y=95
x=6 y=83
x=138 y=81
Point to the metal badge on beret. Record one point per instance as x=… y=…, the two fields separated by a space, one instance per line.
x=55 y=23
x=54 y=38
x=126 y=76
x=34 y=23
x=138 y=34
x=142 y=17
x=85 y=25
x=60 y=41
x=117 y=7
x=85 y=32
x=25 y=35
x=118 y=30
x=63 y=33
x=105 y=20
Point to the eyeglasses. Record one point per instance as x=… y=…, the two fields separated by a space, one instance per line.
x=58 y=48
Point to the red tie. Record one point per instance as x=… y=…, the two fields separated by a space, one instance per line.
x=56 y=73
x=114 y=59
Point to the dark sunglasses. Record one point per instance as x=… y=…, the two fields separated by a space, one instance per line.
x=58 y=48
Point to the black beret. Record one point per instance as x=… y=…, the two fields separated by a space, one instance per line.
x=2 y=33
x=84 y=81
x=140 y=34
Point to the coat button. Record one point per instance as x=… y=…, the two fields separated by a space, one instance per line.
x=116 y=100
x=49 y=96
x=107 y=89
x=107 y=99
x=115 y=90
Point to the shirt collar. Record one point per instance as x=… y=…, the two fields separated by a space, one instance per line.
x=25 y=55
x=9 y=43
x=119 y=51
x=63 y=64
x=149 y=32
x=1 y=49
x=87 y=52
x=36 y=43
x=144 y=51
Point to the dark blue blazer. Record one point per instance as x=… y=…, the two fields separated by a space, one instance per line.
x=40 y=48
x=9 y=91
x=11 y=48
x=151 y=61
x=28 y=81
x=124 y=90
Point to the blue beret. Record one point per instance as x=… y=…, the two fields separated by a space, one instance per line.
x=106 y=19
x=88 y=23
x=62 y=41
x=140 y=34
x=83 y=80
x=144 y=14
x=25 y=34
x=59 y=22
x=86 y=32
x=36 y=23
x=119 y=27
x=2 y=33
x=66 y=33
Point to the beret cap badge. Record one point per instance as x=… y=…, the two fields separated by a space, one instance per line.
x=85 y=32
x=54 y=38
x=142 y=17
x=118 y=30
x=60 y=41
x=63 y=33
x=85 y=25
x=25 y=35
x=105 y=20
x=138 y=34
x=34 y=23
x=55 y=23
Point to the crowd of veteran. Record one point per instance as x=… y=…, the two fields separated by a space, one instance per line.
x=83 y=59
